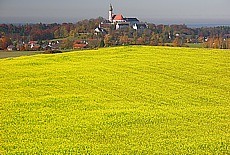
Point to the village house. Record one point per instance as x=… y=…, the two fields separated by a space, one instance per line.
x=20 y=47
x=11 y=48
x=79 y=44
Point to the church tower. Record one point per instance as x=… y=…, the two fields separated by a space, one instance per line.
x=111 y=13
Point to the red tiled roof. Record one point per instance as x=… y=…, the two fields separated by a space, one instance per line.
x=79 y=45
x=32 y=42
x=118 y=17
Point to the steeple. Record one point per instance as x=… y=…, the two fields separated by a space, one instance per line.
x=111 y=7
x=111 y=13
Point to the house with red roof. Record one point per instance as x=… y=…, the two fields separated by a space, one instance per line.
x=79 y=44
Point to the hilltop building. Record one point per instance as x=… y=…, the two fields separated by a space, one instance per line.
x=119 y=21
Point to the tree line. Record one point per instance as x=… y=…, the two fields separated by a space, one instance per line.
x=171 y=35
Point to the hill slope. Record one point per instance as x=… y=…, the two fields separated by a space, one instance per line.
x=127 y=100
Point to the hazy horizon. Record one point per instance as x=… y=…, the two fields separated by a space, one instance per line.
x=157 y=11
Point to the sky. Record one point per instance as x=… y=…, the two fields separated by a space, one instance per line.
x=154 y=11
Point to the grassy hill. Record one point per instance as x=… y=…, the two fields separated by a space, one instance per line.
x=11 y=54
x=122 y=100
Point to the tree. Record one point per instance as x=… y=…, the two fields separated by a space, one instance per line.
x=178 y=42
x=102 y=44
x=216 y=43
x=161 y=39
x=143 y=39
x=63 y=32
x=210 y=42
x=135 y=37
x=1 y=43
x=154 y=39
x=140 y=41
x=221 y=41
x=205 y=45
x=93 y=43
x=107 y=40
x=72 y=33
x=26 y=46
x=124 y=40
x=57 y=33
x=5 y=42
x=227 y=43
x=68 y=44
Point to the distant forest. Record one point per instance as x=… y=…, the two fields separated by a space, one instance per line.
x=171 y=35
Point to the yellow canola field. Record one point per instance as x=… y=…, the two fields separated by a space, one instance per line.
x=118 y=100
